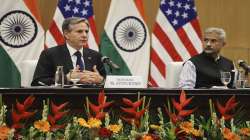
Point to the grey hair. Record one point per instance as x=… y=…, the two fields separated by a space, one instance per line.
x=221 y=32
x=68 y=22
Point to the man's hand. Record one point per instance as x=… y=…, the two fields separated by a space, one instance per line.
x=91 y=77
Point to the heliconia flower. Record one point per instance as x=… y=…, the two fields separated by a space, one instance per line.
x=56 y=115
x=131 y=120
x=27 y=103
x=98 y=109
x=225 y=110
x=17 y=125
x=179 y=106
x=56 y=109
x=15 y=117
x=21 y=113
x=174 y=118
x=133 y=114
x=100 y=115
x=26 y=115
x=131 y=104
x=53 y=124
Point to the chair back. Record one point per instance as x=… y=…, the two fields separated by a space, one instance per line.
x=27 y=71
x=173 y=70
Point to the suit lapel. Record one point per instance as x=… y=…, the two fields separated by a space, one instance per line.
x=87 y=60
x=67 y=59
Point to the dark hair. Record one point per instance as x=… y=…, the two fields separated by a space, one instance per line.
x=66 y=26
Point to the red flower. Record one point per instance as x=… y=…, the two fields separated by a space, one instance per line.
x=26 y=104
x=56 y=114
x=133 y=114
x=225 y=110
x=179 y=106
x=21 y=112
x=104 y=133
x=98 y=109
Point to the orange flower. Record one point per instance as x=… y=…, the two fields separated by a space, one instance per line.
x=4 y=132
x=114 y=128
x=147 y=137
x=44 y=126
x=245 y=131
x=196 y=133
x=186 y=127
x=228 y=135
x=82 y=122
x=94 y=123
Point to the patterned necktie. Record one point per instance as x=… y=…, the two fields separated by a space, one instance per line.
x=79 y=60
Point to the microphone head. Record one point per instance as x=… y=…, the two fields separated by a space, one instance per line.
x=241 y=61
x=104 y=59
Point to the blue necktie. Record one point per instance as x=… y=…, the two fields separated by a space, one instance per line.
x=79 y=60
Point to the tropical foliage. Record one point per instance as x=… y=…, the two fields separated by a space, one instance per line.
x=176 y=121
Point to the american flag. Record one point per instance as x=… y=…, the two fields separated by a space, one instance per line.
x=176 y=37
x=71 y=8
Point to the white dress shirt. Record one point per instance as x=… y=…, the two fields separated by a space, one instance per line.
x=188 y=75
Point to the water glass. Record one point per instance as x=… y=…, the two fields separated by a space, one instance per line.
x=75 y=77
x=59 y=77
x=241 y=80
x=225 y=78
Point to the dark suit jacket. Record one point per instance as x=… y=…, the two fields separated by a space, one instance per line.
x=60 y=56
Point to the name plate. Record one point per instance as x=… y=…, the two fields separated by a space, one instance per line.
x=113 y=81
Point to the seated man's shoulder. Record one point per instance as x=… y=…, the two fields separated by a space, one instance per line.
x=91 y=51
x=195 y=57
x=227 y=60
x=55 y=49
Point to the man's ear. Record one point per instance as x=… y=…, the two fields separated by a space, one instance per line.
x=66 y=34
x=224 y=44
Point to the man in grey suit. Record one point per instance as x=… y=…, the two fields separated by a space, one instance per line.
x=71 y=55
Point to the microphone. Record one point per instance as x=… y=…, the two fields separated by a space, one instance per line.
x=108 y=61
x=244 y=65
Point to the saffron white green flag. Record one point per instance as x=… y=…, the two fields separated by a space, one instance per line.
x=21 y=38
x=126 y=40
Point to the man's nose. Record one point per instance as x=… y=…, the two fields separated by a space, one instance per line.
x=208 y=43
x=84 y=34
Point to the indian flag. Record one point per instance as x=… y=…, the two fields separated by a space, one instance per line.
x=126 y=39
x=21 y=38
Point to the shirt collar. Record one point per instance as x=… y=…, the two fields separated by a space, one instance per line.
x=217 y=58
x=73 y=50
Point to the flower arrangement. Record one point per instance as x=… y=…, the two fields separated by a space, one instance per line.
x=176 y=121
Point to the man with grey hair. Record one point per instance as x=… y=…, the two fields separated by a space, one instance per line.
x=73 y=56
x=203 y=70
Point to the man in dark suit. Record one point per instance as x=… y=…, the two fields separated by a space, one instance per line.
x=71 y=55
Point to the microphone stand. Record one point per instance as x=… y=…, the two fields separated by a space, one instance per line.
x=109 y=69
